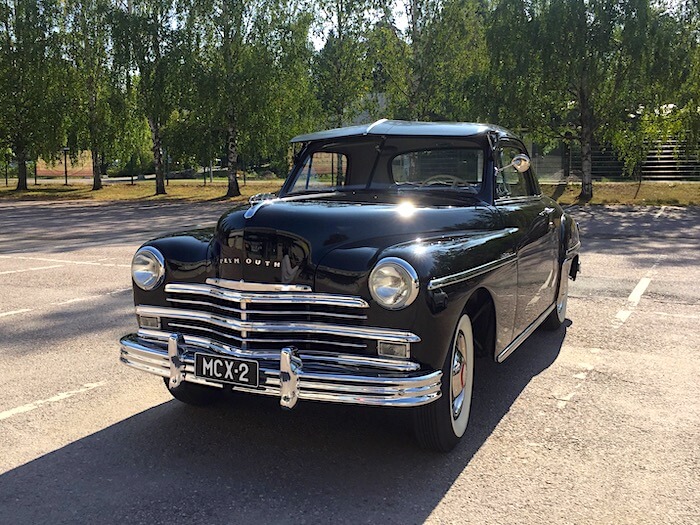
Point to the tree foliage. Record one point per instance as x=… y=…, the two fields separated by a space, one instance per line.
x=341 y=71
x=251 y=80
x=32 y=81
x=151 y=32
x=595 y=70
x=235 y=79
x=94 y=100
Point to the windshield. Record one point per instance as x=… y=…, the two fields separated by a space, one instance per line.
x=452 y=167
x=392 y=164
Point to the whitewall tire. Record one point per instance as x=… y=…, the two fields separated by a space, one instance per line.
x=440 y=424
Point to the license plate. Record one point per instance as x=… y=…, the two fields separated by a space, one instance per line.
x=226 y=369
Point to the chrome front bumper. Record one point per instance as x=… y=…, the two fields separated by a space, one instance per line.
x=354 y=379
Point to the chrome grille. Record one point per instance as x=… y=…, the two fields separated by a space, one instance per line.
x=265 y=317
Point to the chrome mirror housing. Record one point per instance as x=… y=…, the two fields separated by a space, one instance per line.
x=520 y=162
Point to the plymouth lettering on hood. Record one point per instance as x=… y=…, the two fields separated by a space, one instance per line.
x=250 y=262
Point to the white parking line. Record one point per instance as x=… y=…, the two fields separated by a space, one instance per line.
x=636 y=294
x=633 y=300
x=76 y=300
x=15 y=312
x=63 y=261
x=622 y=316
x=89 y=297
x=32 y=269
x=58 y=397
x=562 y=401
x=68 y=301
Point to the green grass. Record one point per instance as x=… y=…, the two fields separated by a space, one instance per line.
x=177 y=190
x=630 y=193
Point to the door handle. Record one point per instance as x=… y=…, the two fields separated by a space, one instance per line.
x=548 y=213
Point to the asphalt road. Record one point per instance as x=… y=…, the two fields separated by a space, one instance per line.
x=596 y=423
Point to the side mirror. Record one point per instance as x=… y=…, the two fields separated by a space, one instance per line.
x=260 y=197
x=520 y=162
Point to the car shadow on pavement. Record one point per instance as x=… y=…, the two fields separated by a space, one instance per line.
x=247 y=461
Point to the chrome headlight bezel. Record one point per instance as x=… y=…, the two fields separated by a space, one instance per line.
x=407 y=291
x=148 y=268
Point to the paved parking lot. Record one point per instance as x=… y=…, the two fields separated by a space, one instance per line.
x=597 y=423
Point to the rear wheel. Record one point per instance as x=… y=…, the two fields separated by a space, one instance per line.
x=557 y=317
x=440 y=424
x=192 y=394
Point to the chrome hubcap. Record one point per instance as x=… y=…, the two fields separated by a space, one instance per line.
x=459 y=374
x=563 y=293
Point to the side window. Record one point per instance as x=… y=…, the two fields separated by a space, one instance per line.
x=322 y=170
x=510 y=182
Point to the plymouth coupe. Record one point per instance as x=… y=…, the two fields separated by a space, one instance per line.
x=394 y=255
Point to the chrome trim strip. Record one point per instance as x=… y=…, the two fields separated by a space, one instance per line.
x=507 y=199
x=243 y=286
x=270 y=298
x=397 y=336
x=459 y=277
x=268 y=312
x=283 y=341
x=396 y=364
x=367 y=387
x=373 y=124
x=526 y=333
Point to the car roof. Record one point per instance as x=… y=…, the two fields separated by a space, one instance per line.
x=403 y=128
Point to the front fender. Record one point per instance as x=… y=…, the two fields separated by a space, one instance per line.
x=434 y=314
x=189 y=257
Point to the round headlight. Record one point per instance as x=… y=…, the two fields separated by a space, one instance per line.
x=393 y=283
x=148 y=268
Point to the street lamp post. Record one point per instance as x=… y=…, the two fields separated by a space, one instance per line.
x=65 y=165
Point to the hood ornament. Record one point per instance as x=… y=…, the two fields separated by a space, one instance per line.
x=257 y=201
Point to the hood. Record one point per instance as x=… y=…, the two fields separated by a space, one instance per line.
x=283 y=241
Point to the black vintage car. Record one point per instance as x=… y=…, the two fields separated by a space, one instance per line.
x=394 y=254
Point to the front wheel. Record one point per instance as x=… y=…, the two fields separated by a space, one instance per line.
x=440 y=424
x=193 y=394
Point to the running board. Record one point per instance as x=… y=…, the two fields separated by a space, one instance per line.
x=526 y=333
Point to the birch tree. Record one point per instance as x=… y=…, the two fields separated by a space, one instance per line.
x=148 y=34
x=32 y=81
x=92 y=96
x=254 y=89
x=341 y=72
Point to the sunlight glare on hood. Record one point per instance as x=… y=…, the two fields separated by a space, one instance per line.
x=406 y=209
